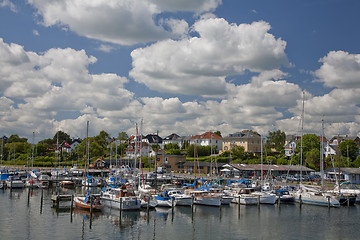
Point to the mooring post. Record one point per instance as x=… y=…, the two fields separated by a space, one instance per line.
x=41 y=200
x=279 y=201
x=120 y=208
x=300 y=200
x=258 y=203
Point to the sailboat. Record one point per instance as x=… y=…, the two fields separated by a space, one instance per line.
x=309 y=194
x=88 y=201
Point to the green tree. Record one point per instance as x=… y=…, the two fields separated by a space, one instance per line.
x=218 y=133
x=122 y=136
x=60 y=136
x=275 y=140
x=103 y=138
x=238 y=152
x=312 y=158
x=349 y=148
x=15 y=138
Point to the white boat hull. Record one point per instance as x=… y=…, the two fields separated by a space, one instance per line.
x=126 y=203
x=208 y=200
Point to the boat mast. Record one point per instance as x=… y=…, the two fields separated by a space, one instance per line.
x=86 y=153
x=302 y=134
x=338 y=155
x=261 y=165
x=322 y=156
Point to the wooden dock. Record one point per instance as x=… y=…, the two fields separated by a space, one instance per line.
x=57 y=198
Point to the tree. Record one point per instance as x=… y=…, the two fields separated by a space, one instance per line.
x=15 y=138
x=349 y=148
x=312 y=158
x=218 y=133
x=238 y=152
x=122 y=136
x=103 y=138
x=60 y=136
x=275 y=140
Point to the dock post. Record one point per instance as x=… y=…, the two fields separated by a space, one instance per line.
x=120 y=208
x=300 y=200
x=28 y=200
x=348 y=202
x=172 y=209
x=41 y=200
x=57 y=202
x=148 y=205
x=258 y=203
x=91 y=208
x=328 y=197
x=279 y=201
x=72 y=203
x=192 y=208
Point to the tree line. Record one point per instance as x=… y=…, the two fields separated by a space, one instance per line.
x=19 y=151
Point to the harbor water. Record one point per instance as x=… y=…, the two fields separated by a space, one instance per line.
x=24 y=216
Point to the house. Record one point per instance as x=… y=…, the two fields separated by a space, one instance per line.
x=134 y=150
x=250 y=140
x=153 y=139
x=170 y=162
x=207 y=139
x=64 y=147
x=290 y=148
x=174 y=139
x=74 y=143
x=334 y=140
x=351 y=175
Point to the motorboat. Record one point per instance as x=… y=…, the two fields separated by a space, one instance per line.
x=14 y=182
x=203 y=197
x=284 y=196
x=120 y=198
x=244 y=196
x=180 y=198
x=164 y=200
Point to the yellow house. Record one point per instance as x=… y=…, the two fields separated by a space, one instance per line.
x=250 y=140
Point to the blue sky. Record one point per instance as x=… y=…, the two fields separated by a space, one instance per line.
x=182 y=66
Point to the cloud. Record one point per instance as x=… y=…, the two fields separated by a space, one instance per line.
x=106 y=48
x=128 y=22
x=340 y=69
x=54 y=83
x=199 y=65
x=198 y=6
x=8 y=3
x=36 y=32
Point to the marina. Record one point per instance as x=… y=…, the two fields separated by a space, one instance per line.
x=52 y=212
x=23 y=219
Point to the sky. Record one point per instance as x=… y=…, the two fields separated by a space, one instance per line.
x=179 y=66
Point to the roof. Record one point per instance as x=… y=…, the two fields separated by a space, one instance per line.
x=203 y=164
x=273 y=167
x=346 y=170
x=243 y=134
x=152 y=138
x=207 y=135
x=173 y=136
